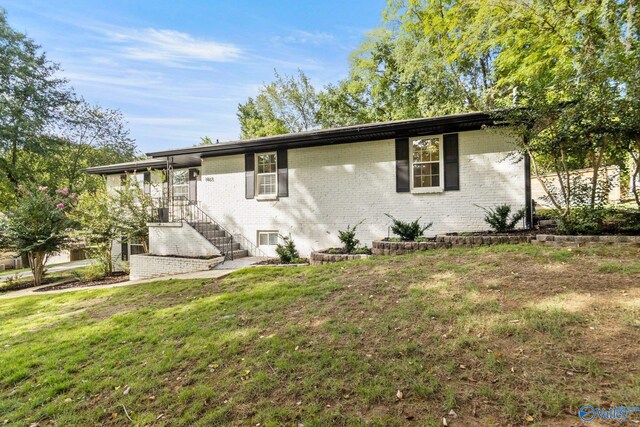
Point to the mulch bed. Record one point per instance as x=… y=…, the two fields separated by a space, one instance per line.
x=74 y=283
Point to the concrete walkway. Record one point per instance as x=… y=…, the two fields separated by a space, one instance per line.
x=239 y=263
x=51 y=269
x=220 y=270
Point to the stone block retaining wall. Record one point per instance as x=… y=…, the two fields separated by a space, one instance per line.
x=145 y=265
x=577 y=241
x=322 y=258
x=384 y=247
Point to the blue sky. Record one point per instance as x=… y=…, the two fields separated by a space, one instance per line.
x=178 y=69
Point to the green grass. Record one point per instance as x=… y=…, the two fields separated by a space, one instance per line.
x=50 y=278
x=489 y=333
x=13 y=272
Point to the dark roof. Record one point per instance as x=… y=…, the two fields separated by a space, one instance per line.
x=356 y=133
x=139 y=165
x=185 y=157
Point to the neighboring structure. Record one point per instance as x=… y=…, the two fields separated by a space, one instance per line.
x=241 y=196
x=612 y=181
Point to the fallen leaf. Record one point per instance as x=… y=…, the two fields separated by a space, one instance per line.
x=126 y=390
x=529 y=418
x=399 y=394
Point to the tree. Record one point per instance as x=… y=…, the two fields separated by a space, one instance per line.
x=32 y=97
x=39 y=226
x=288 y=104
x=570 y=63
x=90 y=135
x=98 y=215
x=135 y=211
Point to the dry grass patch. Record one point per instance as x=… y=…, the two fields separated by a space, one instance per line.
x=499 y=335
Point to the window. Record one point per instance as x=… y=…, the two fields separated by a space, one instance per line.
x=181 y=184
x=267 y=238
x=426 y=156
x=266 y=174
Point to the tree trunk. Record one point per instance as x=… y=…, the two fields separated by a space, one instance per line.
x=36 y=261
x=636 y=173
x=595 y=164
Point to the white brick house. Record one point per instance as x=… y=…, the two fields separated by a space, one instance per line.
x=312 y=184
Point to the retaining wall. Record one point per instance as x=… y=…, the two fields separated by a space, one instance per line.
x=144 y=266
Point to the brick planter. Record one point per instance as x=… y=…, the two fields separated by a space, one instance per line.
x=325 y=258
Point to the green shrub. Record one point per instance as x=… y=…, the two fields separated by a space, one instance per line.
x=348 y=238
x=599 y=220
x=500 y=219
x=287 y=251
x=408 y=231
x=582 y=220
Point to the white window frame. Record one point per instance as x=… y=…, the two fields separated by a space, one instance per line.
x=267 y=232
x=439 y=188
x=267 y=196
x=181 y=186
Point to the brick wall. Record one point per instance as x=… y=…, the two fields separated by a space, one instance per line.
x=333 y=186
x=145 y=266
x=179 y=239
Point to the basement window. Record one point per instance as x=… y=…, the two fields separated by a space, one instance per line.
x=267 y=238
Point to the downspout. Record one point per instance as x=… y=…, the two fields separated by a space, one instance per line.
x=528 y=205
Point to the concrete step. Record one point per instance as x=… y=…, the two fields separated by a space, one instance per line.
x=226 y=246
x=204 y=226
x=240 y=253
x=212 y=234
x=219 y=240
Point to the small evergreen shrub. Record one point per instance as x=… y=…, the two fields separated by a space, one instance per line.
x=408 y=231
x=287 y=251
x=500 y=219
x=348 y=238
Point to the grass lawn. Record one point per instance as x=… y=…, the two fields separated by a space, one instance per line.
x=49 y=278
x=519 y=335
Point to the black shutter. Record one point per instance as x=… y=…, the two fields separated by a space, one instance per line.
x=283 y=173
x=451 y=162
x=402 y=165
x=124 y=249
x=147 y=182
x=249 y=175
x=193 y=185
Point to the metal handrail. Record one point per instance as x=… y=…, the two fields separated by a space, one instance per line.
x=186 y=210
x=183 y=209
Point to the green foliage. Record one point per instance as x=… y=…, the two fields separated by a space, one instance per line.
x=599 y=220
x=500 y=219
x=288 y=104
x=348 y=238
x=408 y=231
x=47 y=134
x=98 y=214
x=4 y=238
x=287 y=251
x=135 y=211
x=38 y=225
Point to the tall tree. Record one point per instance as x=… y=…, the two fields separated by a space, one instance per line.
x=32 y=97
x=90 y=135
x=288 y=104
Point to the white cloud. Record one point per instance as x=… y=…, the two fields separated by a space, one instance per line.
x=172 y=47
x=306 y=37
